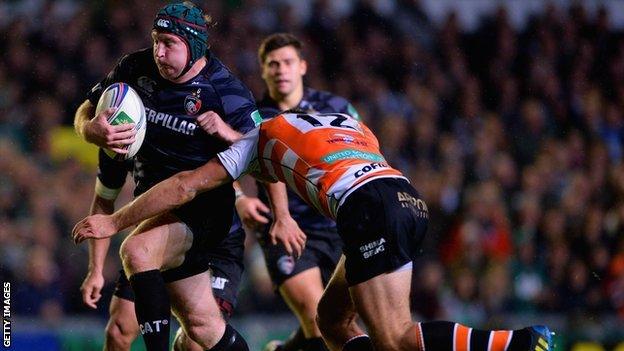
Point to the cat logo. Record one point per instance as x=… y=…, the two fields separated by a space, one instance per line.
x=218 y=282
x=162 y=23
x=152 y=327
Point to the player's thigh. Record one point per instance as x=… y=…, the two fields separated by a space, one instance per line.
x=226 y=264
x=383 y=303
x=303 y=290
x=122 y=318
x=157 y=243
x=193 y=302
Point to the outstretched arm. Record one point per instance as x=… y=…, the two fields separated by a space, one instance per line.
x=164 y=196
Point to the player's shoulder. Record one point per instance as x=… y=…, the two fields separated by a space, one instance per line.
x=137 y=58
x=326 y=97
x=220 y=76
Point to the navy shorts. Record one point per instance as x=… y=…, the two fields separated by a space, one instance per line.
x=209 y=217
x=226 y=265
x=323 y=250
x=382 y=224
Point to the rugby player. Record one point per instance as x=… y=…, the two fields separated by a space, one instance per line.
x=300 y=282
x=122 y=328
x=185 y=90
x=380 y=218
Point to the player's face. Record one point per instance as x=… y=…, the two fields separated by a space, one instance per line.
x=170 y=54
x=283 y=70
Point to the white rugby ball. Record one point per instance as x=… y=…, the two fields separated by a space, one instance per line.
x=129 y=109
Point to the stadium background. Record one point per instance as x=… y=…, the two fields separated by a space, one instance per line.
x=506 y=115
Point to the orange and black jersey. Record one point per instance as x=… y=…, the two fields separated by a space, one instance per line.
x=321 y=157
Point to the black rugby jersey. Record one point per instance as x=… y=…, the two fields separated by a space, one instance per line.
x=173 y=141
x=313 y=100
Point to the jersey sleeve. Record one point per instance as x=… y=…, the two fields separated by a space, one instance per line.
x=111 y=176
x=117 y=74
x=239 y=106
x=242 y=156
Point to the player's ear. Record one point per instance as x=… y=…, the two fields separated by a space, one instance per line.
x=303 y=67
x=263 y=72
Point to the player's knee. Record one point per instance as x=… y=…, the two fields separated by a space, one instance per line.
x=182 y=342
x=120 y=336
x=199 y=328
x=132 y=256
x=394 y=336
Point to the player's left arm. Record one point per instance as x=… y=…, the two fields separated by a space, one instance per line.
x=163 y=197
x=213 y=124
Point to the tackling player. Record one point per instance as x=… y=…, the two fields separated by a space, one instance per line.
x=380 y=218
x=185 y=90
x=300 y=282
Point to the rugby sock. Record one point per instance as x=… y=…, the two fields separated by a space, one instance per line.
x=152 y=308
x=358 y=343
x=449 y=336
x=230 y=341
x=295 y=342
x=314 y=344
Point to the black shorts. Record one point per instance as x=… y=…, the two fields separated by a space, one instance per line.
x=209 y=217
x=226 y=265
x=323 y=250
x=382 y=224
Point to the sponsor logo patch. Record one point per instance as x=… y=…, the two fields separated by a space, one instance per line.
x=370 y=167
x=373 y=248
x=351 y=154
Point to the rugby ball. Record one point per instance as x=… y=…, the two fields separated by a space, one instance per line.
x=129 y=109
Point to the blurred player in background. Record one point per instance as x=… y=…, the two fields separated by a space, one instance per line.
x=186 y=92
x=300 y=282
x=380 y=217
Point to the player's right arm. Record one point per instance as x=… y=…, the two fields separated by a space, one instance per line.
x=96 y=130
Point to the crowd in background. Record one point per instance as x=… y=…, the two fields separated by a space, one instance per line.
x=515 y=138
